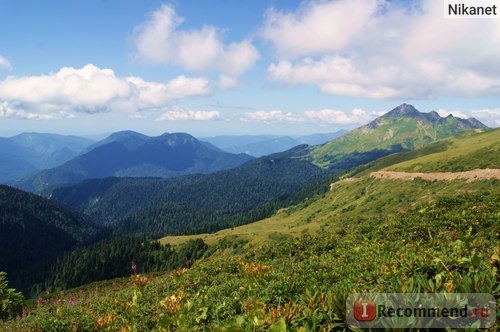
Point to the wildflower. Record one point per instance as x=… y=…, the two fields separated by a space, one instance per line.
x=133 y=266
x=139 y=280
x=172 y=303
x=179 y=272
x=73 y=301
x=256 y=269
x=40 y=302
x=105 y=320
x=25 y=313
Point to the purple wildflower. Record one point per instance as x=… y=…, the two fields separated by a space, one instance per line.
x=133 y=266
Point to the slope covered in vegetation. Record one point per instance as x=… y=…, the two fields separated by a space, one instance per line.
x=34 y=231
x=402 y=129
x=462 y=153
x=448 y=243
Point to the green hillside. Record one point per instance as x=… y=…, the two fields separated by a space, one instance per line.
x=402 y=129
x=34 y=231
x=295 y=269
x=443 y=242
x=461 y=153
x=362 y=195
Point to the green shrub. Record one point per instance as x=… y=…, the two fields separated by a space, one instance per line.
x=11 y=301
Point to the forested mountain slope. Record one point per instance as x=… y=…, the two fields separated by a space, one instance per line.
x=296 y=269
x=195 y=202
x=206 y=203
x=130 y=154
x=35 y=230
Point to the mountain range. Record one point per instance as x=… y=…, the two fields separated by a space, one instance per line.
x=261 y=145
x=211 y=202
x=403 y=128
x=26 y=153
x=131 y=154
x=363 y=231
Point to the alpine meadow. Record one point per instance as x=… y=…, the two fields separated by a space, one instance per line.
x=316 y=165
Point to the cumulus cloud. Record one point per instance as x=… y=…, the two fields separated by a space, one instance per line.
x=273 y=116
x=457 y=114
x=11 y=111
x=93 y=90
x=324 y=116
x=159 y=40
x=488 y=116
x=381 y=49
x=4 y=63
x=317 y=26
x=178 y=114
x=337 y=117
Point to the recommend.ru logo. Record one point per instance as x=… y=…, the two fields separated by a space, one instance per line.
x=422 y=310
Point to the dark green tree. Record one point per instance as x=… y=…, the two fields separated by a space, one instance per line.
x=11 y=301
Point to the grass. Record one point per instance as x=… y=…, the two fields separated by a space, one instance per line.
x=462 y=153
x=475 y=151
x=444 y=243
x=407 y=133
x=369 y=197
x=298 y=266
x=366 y=197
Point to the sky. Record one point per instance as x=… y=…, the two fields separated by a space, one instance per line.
x=234 y=67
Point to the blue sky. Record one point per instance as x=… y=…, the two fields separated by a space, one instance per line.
x=238 y=67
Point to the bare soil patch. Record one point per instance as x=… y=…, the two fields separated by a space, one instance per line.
x=474 y=175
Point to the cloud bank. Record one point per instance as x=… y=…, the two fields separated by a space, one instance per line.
x=381 y=49
x=90 y=89
x=323 y=116
x=488 y=116
x=178 y=114
x=159 y=40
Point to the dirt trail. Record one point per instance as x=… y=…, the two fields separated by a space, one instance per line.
x=474 y=175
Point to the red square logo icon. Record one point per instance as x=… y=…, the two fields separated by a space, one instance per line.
x=364 y=310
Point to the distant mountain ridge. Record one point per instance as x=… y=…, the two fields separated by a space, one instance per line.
x=131 y=154
x=406 y=110
x=403 y=128
x=236 y=196
x=26 y=153
x=262 y=145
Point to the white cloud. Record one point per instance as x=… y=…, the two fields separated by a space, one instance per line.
x=94 y=90
x=178 y=114
x=226 y=82
x=317 y=26
x=457 y=114
x=273 y=116
x=160 y=41
x=10 y=111
x=4 y=63
x=324 y=116
x=380 y=49
x=488 y=116
x=330 y=116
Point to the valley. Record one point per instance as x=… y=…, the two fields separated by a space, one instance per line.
x=278 y=241
x=248 y=166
